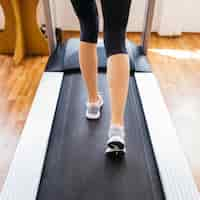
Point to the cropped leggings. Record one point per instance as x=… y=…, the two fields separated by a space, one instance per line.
x=115 y=14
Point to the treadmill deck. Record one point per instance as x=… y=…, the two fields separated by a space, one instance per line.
x=76 y=167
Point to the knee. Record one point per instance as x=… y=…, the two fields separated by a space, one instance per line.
x=115 y=42
x=89 y=30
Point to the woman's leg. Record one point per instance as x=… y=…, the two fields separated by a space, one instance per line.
x=88 y=63
x=118 y=79
x=116 y=13
x=87 y=14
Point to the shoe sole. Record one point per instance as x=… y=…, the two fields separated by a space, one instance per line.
x=110 y=152
x=92 y=116
x=116 y=142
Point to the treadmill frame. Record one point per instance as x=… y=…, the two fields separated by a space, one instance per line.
x=27 y=165
x=24 y=175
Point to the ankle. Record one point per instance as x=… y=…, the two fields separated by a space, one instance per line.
x=93 y=99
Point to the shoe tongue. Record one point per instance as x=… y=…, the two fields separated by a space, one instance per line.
x=116 y=130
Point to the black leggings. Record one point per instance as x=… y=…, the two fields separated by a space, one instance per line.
x=115 y=13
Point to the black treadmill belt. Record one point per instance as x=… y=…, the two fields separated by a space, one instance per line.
x=65 y=57
x=76 y=167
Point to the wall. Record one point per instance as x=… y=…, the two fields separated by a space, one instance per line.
x=191 y=16
x=67 y=20
x=171 y=16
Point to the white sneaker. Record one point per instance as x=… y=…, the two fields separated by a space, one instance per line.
x=93 y=110
x=116 y=141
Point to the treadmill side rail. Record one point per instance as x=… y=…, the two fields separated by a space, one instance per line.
x=23 y=179
x=176 y=177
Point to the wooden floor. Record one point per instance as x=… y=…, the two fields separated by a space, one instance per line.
x=175 y=61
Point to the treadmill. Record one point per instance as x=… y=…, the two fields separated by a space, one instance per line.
x=61 y=154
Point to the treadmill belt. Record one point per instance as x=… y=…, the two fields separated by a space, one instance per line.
x=76 y=167
x=65 y=57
